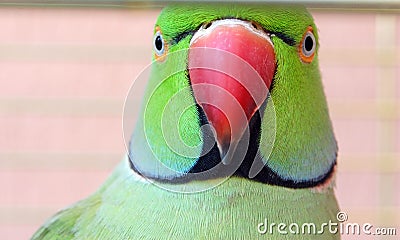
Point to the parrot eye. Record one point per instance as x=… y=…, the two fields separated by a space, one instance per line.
x=159 y=45
x=307 y=46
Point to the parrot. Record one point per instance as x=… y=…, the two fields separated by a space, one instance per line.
x=233 y=139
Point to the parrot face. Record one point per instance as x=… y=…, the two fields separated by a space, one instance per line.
x=235 y=89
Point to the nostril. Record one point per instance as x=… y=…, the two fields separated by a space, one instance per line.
x=256 y=26
x=207 y=25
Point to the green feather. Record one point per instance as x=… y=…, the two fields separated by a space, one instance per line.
x=305 y=147
x=64 y=225
x=176 y=148
x=132 y=209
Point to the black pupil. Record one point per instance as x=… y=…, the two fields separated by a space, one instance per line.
x=159 y=43
x=308 y=43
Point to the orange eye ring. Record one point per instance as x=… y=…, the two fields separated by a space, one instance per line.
x=307 y=46
x=160 y=45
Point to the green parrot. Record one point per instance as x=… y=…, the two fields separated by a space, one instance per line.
x=233 y=139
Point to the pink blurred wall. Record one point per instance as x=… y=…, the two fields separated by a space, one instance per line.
x=64 y=75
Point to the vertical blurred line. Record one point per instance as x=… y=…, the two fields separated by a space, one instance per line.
x=386 y=99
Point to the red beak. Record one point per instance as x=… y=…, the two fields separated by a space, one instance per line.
x=231 y=67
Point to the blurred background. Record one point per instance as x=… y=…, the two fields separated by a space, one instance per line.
x=65 y=72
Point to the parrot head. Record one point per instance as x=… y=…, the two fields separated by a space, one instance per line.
x=235 y=89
